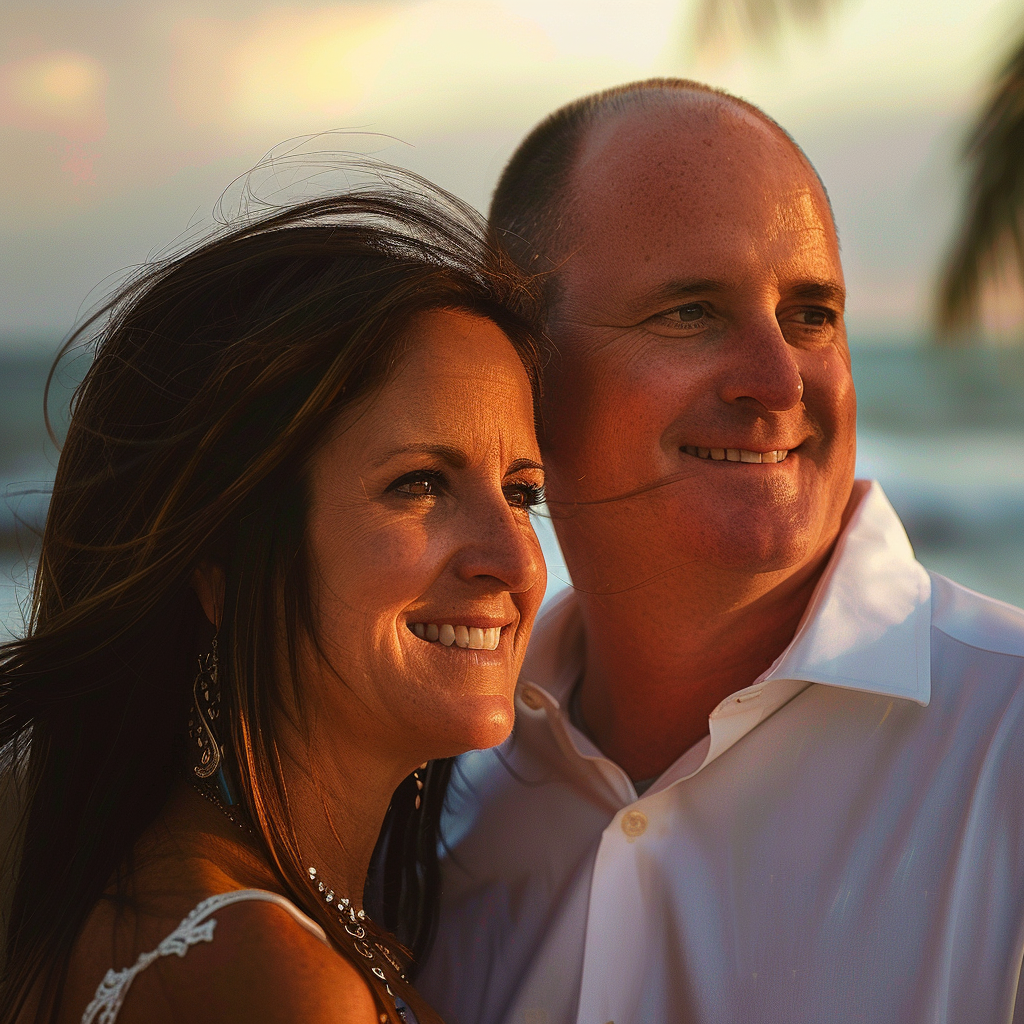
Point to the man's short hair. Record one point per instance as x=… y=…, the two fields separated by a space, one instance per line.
x=530 y=213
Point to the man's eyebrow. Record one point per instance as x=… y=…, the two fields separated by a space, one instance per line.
x=677 y=291
x=674 y=291
x=822 y=291
x=455 y=457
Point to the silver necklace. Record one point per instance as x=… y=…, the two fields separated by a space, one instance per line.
x=221 y=806
x=354 y=922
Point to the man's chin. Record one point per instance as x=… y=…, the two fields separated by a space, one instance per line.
x=696 y=563
x=761 y=557
x=682 y=542
x=759 y=544
x=746 y=540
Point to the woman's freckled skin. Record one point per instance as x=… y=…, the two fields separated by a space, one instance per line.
x=456 y=420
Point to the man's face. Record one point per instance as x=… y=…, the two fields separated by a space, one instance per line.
x=700 y=310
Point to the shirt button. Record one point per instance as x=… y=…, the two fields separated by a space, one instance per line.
x=748 y=696
x=531 y=698
x=634 y=823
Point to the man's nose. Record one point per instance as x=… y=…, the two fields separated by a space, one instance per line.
x=763 y=368
x=500 y=545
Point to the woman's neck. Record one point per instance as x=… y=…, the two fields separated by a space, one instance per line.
x=337 y=817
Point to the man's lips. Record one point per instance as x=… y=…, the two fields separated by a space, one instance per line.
x=736 y=454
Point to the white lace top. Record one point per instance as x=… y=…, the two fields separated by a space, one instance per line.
x=197 y=927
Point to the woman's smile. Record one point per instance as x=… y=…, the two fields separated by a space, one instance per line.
x=467 y=637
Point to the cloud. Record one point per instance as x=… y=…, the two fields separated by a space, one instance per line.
x=60 y=92
x=418 y=67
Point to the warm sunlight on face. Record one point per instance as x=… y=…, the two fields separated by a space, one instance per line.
x=707 y=380
x=425 y=568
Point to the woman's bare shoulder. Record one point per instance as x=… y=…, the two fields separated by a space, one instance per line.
x=261 y=965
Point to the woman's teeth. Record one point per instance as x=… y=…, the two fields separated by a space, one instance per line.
x=470 y=637
x=735 y=454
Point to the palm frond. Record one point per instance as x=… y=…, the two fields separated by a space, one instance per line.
x=758 y=20
x=993 y=218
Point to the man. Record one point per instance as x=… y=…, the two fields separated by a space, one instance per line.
x=766 y=768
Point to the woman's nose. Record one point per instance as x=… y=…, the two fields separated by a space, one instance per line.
x=499 y=544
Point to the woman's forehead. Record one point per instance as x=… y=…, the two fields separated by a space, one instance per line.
x=460 y=385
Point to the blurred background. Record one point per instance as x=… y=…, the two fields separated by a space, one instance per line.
x=122 y=123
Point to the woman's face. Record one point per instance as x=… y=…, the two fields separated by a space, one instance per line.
x=425 y=569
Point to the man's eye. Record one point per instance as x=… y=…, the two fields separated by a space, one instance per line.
x=686 y=314
x=689 y=315
x=815 y=317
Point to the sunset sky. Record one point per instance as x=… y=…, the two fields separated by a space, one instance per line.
x=121 y=124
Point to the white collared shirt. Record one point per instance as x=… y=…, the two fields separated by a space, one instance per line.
x=846 y=845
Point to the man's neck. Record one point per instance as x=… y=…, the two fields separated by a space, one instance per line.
x=659 y=661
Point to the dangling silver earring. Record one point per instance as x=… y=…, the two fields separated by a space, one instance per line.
x=419 y=783
x=205 y=752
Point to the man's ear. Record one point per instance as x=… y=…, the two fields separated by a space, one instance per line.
x=208 y=583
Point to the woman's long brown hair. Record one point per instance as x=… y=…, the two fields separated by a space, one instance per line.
x=215 y=373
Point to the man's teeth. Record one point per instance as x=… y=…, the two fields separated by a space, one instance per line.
x=735 y=454
x=470 y=637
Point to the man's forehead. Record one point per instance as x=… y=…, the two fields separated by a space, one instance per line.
x=657 y=176
x=707 y=192
x=675 y=138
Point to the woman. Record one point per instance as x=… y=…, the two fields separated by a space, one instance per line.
x=288 y=559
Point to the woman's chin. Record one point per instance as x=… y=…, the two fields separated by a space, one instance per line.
x=495 y=728
x=479 y=722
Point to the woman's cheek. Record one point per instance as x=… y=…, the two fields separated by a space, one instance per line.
x=389 y=564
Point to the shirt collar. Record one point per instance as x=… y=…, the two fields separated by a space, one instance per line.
x=868 y=624
x=866 y=627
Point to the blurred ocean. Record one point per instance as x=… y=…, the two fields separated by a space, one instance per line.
x=942 y=430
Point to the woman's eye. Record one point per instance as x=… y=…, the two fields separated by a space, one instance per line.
x=524 y=495
x=418 y=485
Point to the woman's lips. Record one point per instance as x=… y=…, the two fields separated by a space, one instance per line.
x=473 y=638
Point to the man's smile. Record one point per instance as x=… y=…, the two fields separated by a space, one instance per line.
x=735 y=454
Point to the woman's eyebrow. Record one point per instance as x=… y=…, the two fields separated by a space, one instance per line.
x=523 y=464
x=455 y=457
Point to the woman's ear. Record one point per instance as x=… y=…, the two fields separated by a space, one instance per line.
x=208 y=583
